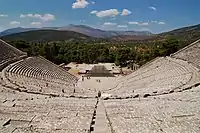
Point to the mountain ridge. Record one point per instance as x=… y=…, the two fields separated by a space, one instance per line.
x=16 y=30
x=83 y=29
x=189 y=33
x=46 y=36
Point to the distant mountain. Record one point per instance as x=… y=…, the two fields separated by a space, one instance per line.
x=16 y=30
x=89 y=31
x=83 y=29
x=187 y=34
x=46 y=36
x=98 y=33
x=80 y=32
x=184 y=33
x=184 y=29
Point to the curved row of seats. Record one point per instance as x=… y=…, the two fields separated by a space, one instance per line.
x=38 y=67
x=9 y=52
x=36 y=74
x=38 y=113
x=162 y=75
x=190 y=53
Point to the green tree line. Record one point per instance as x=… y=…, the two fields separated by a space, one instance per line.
x=120 y=53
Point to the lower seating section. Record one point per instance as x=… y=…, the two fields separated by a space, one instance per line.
x=36 y=74
x=172 y=113
x=163 y=75
x=25 y=113
x=190 y=54
x=9 y=53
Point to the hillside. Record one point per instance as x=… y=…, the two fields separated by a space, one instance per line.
x=186 y=33
x=86 y=30
x=83 y=29
x=46 y=36
x=16 y=30
x=98 y=33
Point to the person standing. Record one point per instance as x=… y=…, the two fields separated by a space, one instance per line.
x=99 y=94
x=82 y=78
x=74 y=87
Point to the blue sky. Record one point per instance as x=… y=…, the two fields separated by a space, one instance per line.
x=153 y=15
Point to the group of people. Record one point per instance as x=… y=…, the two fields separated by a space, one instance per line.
x=88 y=77
x=98 y=80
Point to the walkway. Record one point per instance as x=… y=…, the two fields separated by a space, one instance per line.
x=101 y=123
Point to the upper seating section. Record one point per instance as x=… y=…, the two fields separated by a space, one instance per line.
x=9 y=53
x=190 y=53
x=37 y=74
x=163 y=75
x=38 y=67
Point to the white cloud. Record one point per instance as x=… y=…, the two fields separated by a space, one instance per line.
x=14 y=23
x=94 y=12
x=36 y=23
x=93 y=2
x=126 y=12
x=3 y=15
x=158 y=22
x=80 y=4
x=152 y=8
x=30 y=15
x=44 y=17
x=122 y=26
x=162 y=23
x=48 y=17
x=109 y=24
x=144 y=24
x=155 y=22
x=22 y=16
x=137 y=23
x=108 y=13
x=133 y=23
x=82 y=21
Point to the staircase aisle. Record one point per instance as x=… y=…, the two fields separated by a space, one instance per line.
x=101 y=123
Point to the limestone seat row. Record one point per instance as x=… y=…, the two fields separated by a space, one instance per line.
x=160 y=76
x=39 y=75
x=8 y=53
x=190 y=53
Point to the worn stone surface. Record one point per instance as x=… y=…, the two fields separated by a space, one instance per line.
x=173 y=113
x=101 y=123
x=38 y=113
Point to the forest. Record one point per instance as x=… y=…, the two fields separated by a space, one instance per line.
x=120 y=53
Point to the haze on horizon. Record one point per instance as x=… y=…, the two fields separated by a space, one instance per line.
x=149 y=15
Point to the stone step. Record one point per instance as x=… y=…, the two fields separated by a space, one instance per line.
x=101 y=122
